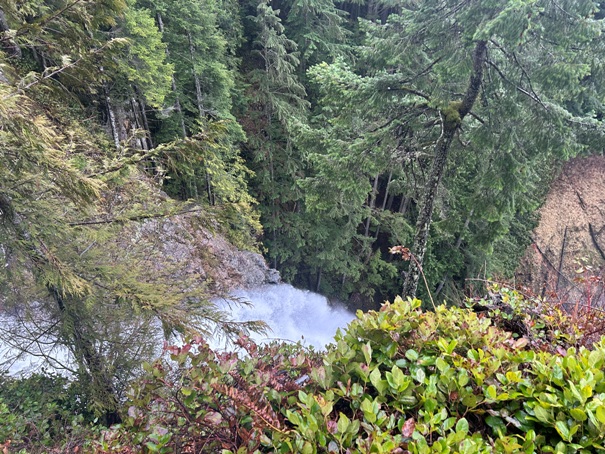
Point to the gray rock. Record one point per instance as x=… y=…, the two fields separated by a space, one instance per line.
x=272 y=276
x=192 y=251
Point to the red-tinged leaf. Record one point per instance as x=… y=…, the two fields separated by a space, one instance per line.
x=408 y=428
x=332 y=426
x=521 y=343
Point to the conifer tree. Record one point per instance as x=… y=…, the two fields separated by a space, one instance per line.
x=318 y=28
x=276 y=109
x=71 y=205
x=497 y=89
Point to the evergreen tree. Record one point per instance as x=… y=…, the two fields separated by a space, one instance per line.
x=71 y=205
x=499 y=96
x=318 y=28
x=276 y=110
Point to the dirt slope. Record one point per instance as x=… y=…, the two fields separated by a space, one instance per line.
x=571 y=231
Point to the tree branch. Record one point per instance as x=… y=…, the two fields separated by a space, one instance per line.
x=533 y=95
x=141 y=217
x=48 y=19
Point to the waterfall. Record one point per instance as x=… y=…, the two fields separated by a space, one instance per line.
x=292 y=314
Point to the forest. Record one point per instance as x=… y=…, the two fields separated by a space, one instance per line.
x=368 y=149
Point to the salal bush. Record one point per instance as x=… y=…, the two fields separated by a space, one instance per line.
x=499 y=377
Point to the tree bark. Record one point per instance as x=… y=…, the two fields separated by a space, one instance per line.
x=112 y=120
x=386 y=191
x=198 y=86
x=177 y=101
x=138 y=124
x=146 y=123
x=452 y=117
x=372 y=204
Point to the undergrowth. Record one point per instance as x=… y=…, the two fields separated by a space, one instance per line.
x=505 y=374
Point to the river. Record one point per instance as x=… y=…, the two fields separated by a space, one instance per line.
x=292 y=314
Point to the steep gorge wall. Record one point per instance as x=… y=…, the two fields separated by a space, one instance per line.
x=193 y=250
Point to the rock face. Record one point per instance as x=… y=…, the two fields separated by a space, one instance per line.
x=249 y=269
x=192 y=250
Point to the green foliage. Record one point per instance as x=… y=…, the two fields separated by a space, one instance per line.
x=378 y=116
x=143 y=62
x=197 y=48
x=43 y=411
x=398 y=380
x=209 y=163
x=318 y=28
x=80 y=260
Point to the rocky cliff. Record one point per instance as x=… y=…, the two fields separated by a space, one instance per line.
x=194 y=250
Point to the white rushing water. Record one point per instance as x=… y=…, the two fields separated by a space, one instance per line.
x=292 y=314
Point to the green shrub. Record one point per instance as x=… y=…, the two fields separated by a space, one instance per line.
x=396 y=380
x=42 y=411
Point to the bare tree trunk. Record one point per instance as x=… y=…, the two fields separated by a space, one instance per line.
x=452 y=117
x=177 y=101
x=143 y=110
x=403 y=206
x=561 y=257
x=146 y=123
x=178 y=108
x=112 y=120
x=198 y=86
x=390 y=202
x=138 y=123
x=386 y=191
x=209 y=189
x=593 y=237
x=372 y=204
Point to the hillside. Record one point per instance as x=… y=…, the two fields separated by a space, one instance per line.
x=571 y=231
x=150 y=148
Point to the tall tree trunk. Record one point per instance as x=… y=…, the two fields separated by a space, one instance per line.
x=178 y=108
x=143 y=109
x=403 y=206
x=386 y=191
x=209 y=189
x=115 y=133
x=372 y=204
x=198 y=86
x=452 y=117
x=90 y=360
x=177 y=101
x=138 y=123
